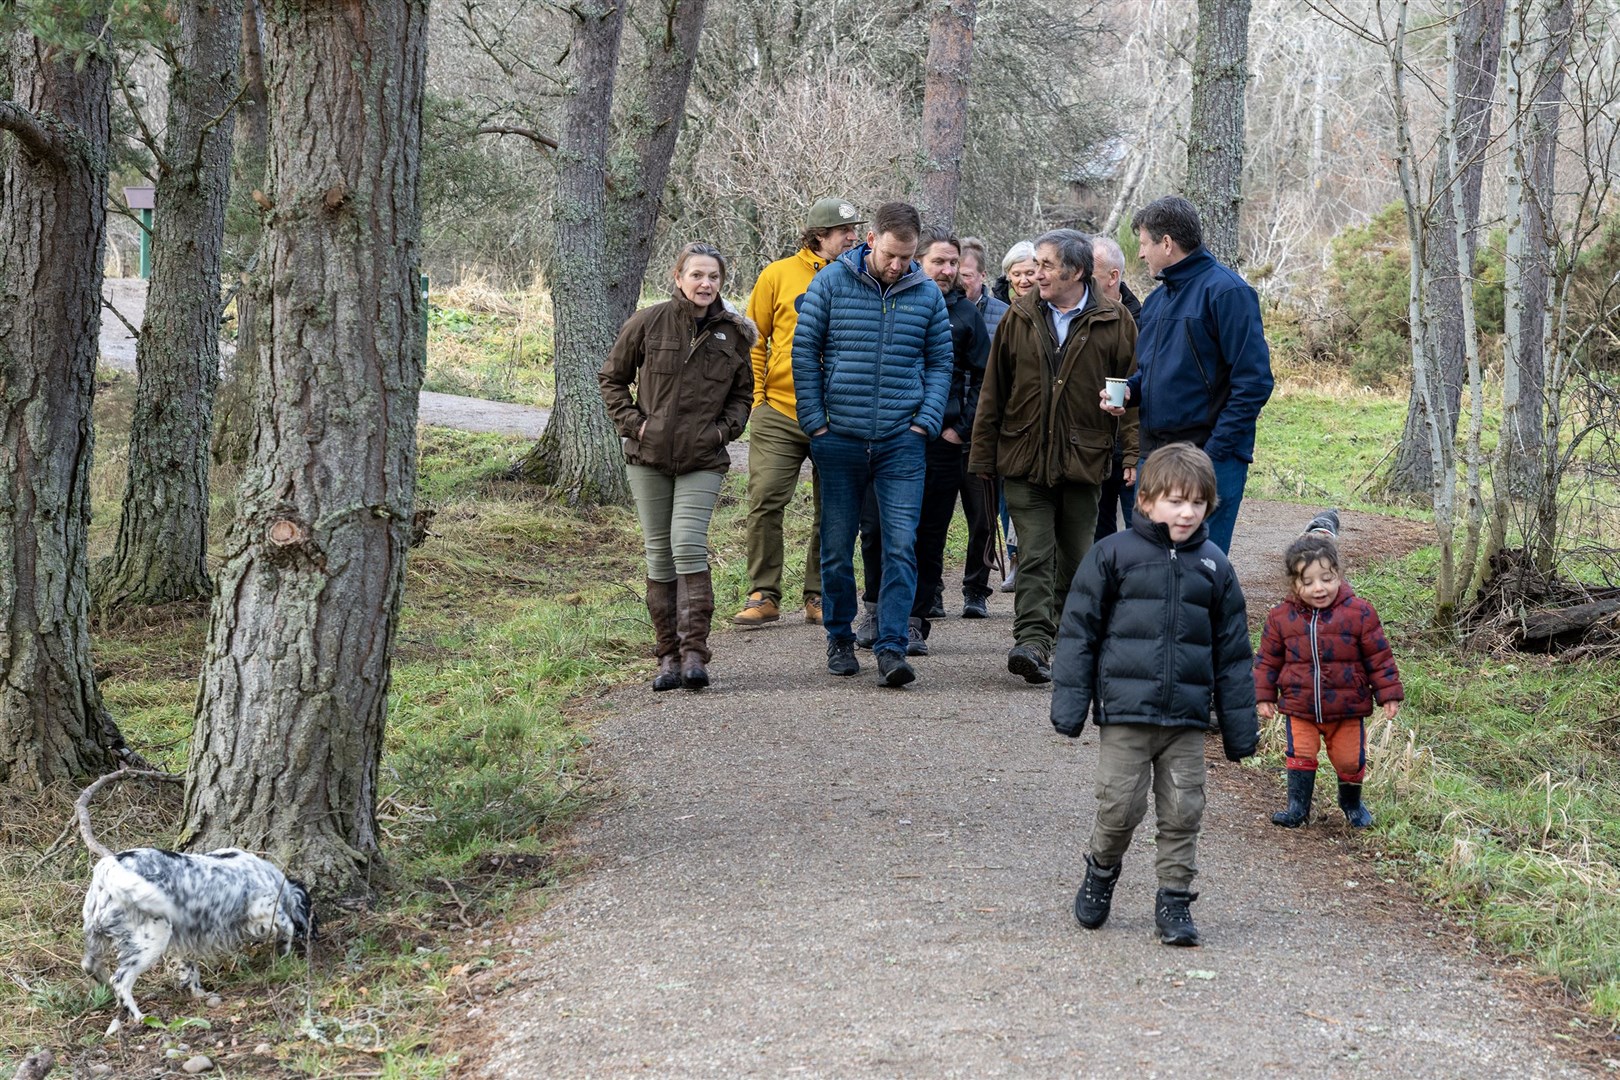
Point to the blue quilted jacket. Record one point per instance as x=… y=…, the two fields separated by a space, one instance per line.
x=869 y=362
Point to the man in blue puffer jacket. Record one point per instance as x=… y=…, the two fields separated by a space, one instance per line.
x=1203 y=368
x=872 y=361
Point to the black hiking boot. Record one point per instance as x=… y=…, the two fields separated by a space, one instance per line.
x=866 y=631
x=975 y=605
x=1174 y=920
x=841 y=657
x=917 y=637
x=1355 y=812
x=1031 y=662
x=893 y=669
x=1096 y=895
x=936 y=610
x=1301 y=786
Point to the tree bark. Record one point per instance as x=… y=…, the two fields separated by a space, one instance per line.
x=1541 y=154
x=605 y=214
x=293 y=695
x=234 y=401
x=1215 y=131
x=53 y=194
x=945 y=105
x=1480 y=31
x=162 y=550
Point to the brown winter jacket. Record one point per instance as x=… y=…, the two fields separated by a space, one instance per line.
x=693 y=388
x=1038 y=417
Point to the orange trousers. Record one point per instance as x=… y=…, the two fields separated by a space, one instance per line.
x=1346 y=746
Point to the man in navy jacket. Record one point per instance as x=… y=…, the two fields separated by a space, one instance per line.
x=1203 y=368
x=872 y=361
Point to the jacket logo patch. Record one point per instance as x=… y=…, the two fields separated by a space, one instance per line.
x=719 y=335
x=1209 y=563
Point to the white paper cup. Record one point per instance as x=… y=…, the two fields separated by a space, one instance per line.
x=1116 y=392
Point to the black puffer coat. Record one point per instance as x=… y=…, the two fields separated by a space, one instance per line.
x=1156 y=633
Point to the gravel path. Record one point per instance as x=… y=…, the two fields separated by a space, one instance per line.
x=810 y=875
x=128 y=296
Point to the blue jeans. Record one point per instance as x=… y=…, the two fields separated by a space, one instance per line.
x=1231 y=475
x=894 y=468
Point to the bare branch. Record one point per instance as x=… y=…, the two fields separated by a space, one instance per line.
x=543 y=141
x=148 y=139
x=134 y=333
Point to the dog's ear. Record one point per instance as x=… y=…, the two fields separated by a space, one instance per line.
x=301 y=910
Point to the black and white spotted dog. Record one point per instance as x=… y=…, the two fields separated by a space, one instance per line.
x=146 y=903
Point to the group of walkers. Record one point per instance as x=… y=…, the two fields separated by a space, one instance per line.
x=909 y=382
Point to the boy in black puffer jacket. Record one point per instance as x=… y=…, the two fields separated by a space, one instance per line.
x=1156 y=636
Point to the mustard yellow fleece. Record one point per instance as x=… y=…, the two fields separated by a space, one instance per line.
x=772 y=307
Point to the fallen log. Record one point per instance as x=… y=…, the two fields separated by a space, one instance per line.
x=1549 y=629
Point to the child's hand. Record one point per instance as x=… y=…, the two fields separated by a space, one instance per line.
x=1390 y=709
x=1266 y=710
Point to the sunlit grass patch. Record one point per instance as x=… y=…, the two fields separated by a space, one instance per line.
x=1496 y=784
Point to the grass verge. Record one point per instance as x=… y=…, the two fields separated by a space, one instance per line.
x=517 y=612
x=1495 y=795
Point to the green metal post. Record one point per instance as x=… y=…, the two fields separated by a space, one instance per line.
x=146 y=243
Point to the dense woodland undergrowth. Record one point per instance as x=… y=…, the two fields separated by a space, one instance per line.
x=1496 y=795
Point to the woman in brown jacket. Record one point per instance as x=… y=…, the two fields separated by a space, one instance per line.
x=678 y=385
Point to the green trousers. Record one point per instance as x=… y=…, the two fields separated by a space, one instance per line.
x=1132 y=757
x=1056 y=526
x=777 y=450
x=674 y=512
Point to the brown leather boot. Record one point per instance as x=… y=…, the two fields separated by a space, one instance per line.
x=666 y=638
x=694 y=610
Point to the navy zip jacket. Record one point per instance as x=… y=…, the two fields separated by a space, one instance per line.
x=1203 y=368
x=1156 y=632
x=970 y=346
x=869 y=362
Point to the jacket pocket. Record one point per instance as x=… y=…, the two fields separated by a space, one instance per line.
x=1087 y=456
x=1016 y=448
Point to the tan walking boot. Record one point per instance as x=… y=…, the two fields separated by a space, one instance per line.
x=812 y=610
x=759 y=610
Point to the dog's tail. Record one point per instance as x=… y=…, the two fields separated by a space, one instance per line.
x=81 y=806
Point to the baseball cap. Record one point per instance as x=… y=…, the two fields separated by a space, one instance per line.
x=828 y=213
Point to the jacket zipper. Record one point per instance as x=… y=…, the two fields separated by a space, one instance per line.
x=1173 y=636
x=1316 y=669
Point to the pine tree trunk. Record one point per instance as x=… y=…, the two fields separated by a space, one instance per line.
x=233 y=412
x=1215 y=131
x=1480 y=31
x=293 y=696
x=945 y=103
x=53 y=193
x=605 y=215
x=162 y=548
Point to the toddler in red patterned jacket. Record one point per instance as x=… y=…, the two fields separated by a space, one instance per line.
x=1323 y=660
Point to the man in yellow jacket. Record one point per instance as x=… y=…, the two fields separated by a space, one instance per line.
x=777 y=448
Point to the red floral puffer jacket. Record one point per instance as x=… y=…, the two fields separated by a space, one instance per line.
x=1328 y=664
